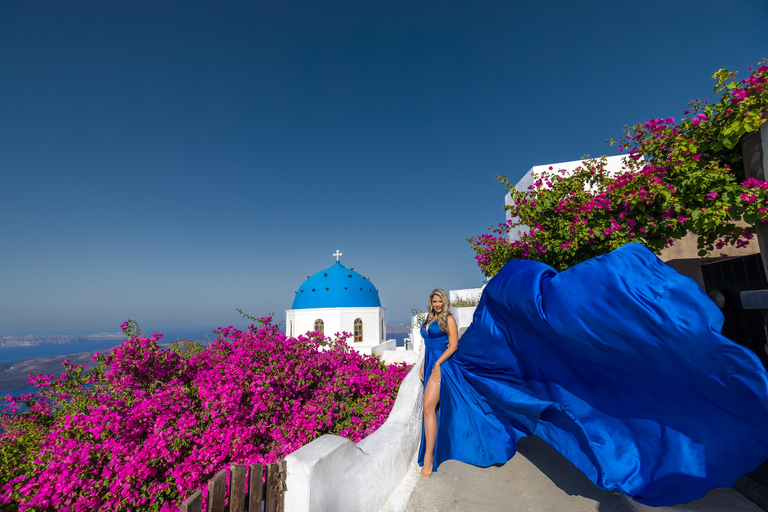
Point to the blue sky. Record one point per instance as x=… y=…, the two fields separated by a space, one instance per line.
x=172 y=161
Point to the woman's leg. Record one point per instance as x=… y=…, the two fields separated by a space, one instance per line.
x=431 y=399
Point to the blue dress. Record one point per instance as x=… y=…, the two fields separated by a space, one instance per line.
x=619 y=364
x=435 y=343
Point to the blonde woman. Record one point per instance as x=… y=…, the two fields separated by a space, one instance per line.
x=440 y=341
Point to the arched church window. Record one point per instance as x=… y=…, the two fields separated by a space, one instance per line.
x=319 y=326
x=382 y=328
x=290 y=328
x=358 y=330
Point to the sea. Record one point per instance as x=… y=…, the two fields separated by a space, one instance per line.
x=11 y=354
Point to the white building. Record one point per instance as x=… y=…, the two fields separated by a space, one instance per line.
x=336 y=300
x=613 y=165
x=682 y=255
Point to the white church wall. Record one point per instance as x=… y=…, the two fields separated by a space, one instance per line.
x=337 y=320
x=382 y=324
x=331 y=473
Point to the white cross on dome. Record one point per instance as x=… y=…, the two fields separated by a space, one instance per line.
x=337 y=254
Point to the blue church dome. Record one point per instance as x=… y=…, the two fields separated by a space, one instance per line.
x=337 y=287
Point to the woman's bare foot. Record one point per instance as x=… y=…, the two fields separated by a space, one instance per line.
x=426 y=470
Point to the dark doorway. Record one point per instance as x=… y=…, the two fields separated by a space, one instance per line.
x=733 y=276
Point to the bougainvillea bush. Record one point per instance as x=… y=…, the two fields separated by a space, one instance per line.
x=149 y=426
x=678 y=178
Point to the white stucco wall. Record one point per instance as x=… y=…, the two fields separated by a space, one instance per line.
x=333 y=474
x=379 y=349
x=466 y=293
x=337 y=320
x=416 y=339
x=399 y=356
x=463 y=317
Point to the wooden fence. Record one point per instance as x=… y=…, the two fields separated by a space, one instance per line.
x=270 y=493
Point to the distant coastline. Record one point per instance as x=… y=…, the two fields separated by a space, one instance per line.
x=32 y=340
x=22 y=355
x=399 y=328
x=13 y=375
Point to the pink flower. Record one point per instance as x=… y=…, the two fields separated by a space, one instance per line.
x=162 y=419
x=752 y=182
x=739 y=95
x=749 y=198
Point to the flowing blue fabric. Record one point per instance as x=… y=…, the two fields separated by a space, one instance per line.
x=619 y=364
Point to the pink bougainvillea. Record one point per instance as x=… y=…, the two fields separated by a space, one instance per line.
x=678 y=177
x=149 y=426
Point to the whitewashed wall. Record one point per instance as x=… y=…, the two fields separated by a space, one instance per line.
x=301 y=321
x=333 y=474
x=416 y=339
x=466 y=293
x=463 y=317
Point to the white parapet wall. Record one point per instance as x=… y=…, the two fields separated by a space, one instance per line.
x=463 y=317
x=466 y=294
x=379 y=349
x=399 y=356
x=332 y=474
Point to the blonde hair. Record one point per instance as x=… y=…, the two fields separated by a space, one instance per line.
x=442 y=318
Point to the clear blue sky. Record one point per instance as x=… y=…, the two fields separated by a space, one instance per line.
x=172 y=161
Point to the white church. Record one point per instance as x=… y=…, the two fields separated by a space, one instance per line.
x=338 y=299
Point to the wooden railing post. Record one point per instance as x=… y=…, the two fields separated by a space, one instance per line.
x=194 y=503
x=237 y=488
x=275 y=501
x=271 y=493
x=255 y=486
x=217 y=492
